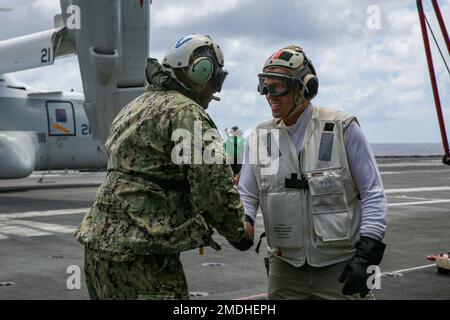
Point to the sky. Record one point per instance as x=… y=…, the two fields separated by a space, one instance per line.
x=369 y=56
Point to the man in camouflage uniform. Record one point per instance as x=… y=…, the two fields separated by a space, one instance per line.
x=149 y=209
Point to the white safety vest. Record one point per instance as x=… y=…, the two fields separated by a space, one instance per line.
x=310 y=204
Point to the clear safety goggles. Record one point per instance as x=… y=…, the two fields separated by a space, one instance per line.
x=275 y=84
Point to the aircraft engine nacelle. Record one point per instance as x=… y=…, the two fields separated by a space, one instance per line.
x=17 y=154
x=111 y=39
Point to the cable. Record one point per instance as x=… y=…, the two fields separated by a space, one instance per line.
x=432 y=33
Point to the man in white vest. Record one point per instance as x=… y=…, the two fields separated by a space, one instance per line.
x=313 y=174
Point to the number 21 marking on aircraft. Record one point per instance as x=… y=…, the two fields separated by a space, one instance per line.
x=46 y=55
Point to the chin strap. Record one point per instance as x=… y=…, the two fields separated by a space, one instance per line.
x=295 y=108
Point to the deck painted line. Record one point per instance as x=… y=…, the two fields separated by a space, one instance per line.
x=415 y=203
x=22 y=231
x=46 y=213
x=410 y=198
x=69 y=173
x=410 y=269
x=425 y=189
x=51 y=227
x=414 y=171
x=411 y=164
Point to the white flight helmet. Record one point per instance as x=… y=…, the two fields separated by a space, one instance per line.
x=203 y=67
x=302 y=70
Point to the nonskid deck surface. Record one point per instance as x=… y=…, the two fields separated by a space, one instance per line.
x=38 y=252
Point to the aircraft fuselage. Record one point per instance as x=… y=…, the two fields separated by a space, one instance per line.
x=54 y=124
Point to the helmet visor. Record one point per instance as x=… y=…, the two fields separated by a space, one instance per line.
x=275 y=84
x=219 y=79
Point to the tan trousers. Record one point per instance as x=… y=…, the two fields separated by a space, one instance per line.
x=306 y=282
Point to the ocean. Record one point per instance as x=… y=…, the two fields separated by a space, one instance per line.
x=407 y=149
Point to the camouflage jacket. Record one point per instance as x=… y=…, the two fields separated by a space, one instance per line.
x=147 y=203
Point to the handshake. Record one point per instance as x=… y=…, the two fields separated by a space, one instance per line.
x=247 y=241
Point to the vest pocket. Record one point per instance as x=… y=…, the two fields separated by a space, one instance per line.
x=333 y=226
x=283 y=223
x=329 y=209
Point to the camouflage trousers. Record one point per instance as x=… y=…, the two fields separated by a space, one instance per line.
x=156 y=277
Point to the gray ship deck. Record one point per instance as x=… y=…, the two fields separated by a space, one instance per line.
x=37 y=247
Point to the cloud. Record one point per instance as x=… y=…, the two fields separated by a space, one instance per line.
x=64 y=75
x=27 y=17
x=46 y=6
x=181 y=13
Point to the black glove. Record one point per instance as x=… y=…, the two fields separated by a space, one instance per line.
x=245 y=243
x=368 y=252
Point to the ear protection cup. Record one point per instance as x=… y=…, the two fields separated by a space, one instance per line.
x=311 y=84
x=201 y=70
